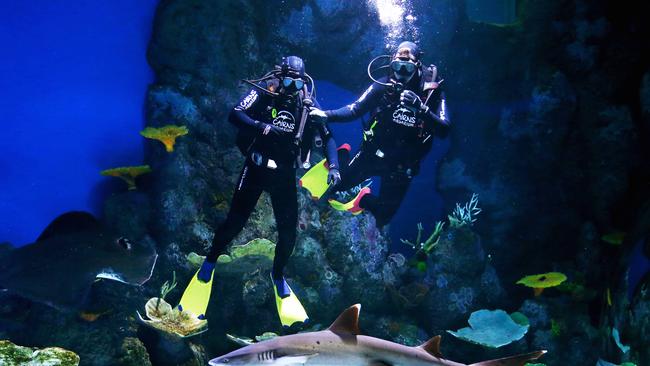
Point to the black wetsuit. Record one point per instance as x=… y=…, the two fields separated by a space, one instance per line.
x=396 y=140
x=270 y=166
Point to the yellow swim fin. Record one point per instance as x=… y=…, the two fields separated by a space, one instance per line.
x=352 y=206
x=196 y=297
x=290 y=310
x=315 y=180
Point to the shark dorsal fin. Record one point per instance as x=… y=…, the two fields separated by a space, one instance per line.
x=348 y=321
x=432 y=346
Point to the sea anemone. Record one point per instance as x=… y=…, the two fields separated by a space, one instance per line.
x=541 y=281
x=127 y=173
x=166 y=134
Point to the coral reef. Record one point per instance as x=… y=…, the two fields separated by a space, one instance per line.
x=542 y=281
x=134 y=353
x=127 y=174
x=162 y=317
x=166 y=134
x=491 y=328
x=13 y=355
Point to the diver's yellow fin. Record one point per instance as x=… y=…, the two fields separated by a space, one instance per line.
x=290 y=310
x=352 y=206
x=315 y=180
x=196 y=297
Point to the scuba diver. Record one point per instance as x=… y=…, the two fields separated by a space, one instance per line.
x=406 y=108
x=275 y=135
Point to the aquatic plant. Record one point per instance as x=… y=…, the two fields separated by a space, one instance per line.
x=14 y=355
x=166 y=288
x=541 y=281
x=428 y=245
x=491 y=328
x=465 y=215
x=166 y=134
x=127 y=174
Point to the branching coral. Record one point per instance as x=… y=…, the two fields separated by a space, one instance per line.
x=428 y=245
x=465 y=215
x=166 y=134
x=127 y=173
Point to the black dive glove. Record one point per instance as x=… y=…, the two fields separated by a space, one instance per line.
x=410 y=99
x=333 y=177
x=267 y=129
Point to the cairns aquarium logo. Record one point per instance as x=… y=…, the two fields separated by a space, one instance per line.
x=404 y=116
x=285 y=121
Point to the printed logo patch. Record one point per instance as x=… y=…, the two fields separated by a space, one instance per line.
x=249 y=100
x=285 y=121
x=404 y=116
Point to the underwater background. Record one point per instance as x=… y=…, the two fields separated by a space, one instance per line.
x=550 y=103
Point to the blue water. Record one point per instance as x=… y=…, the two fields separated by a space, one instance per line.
x=422 y=203
x=73 y=79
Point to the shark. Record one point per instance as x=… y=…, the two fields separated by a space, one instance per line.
x=342 y=344
x=73 y=252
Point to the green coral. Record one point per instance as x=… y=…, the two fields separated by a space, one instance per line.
x=428 y=245
x=520 y=318
x=256 y=247
x=13 y=355
x=557 y=327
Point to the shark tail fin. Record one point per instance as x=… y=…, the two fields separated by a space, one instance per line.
x=519 y=360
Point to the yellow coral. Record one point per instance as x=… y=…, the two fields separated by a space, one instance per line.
x=166 y=134
x=127 y=173
x=541 y=281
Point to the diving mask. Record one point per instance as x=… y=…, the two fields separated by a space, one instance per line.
x=290 y=83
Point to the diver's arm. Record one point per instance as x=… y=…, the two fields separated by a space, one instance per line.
x=240 y=114
x=357 y=109
x=330 y=152
x=437 y=119
x=249 y=103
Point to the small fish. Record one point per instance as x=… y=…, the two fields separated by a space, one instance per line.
x=615 y=238
x=90 y=316
x=72 y=252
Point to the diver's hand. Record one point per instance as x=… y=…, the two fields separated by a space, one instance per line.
x=205 y=273
x=410 y=99
x=267 y=129
x=333 y=177
x=318 y=115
